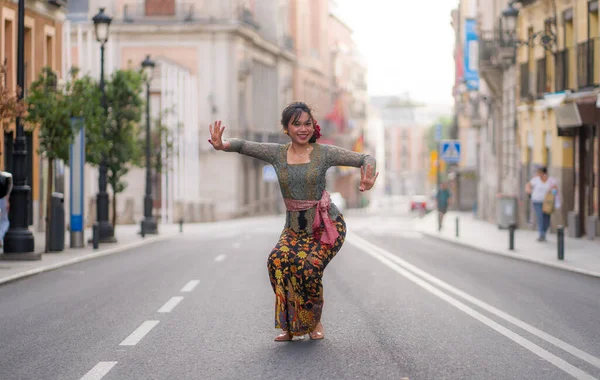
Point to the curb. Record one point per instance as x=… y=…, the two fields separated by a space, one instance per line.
x=512 y=255
x=90 y=256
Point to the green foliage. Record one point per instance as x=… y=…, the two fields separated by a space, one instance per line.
x=121 y=131
x=51 y=108
x=85 y=102
x=430 y=134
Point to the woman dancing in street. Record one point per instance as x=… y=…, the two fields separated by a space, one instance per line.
x=314 y=228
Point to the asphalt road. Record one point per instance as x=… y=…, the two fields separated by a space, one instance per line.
x=397 y=306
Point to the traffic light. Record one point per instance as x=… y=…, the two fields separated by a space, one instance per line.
x=6 y=183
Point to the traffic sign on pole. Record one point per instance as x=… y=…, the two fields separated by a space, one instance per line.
x=450 y=151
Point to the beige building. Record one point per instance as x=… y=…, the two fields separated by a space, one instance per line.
x=215 y=61
x=405 y=123
x=559 y=75
x=43 y=46
x=494 y=109
x=346 y=120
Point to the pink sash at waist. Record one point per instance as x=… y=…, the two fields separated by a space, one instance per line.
x=323 y=205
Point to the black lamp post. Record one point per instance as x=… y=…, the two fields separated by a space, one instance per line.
x=148 y=223
x=19 y=242
x=106 y=231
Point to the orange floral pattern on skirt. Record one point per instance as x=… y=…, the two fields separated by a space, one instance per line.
x=296 y=267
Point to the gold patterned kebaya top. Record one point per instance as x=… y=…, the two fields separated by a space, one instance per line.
x=302 y=181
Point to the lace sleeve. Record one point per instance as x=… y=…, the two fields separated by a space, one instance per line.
x=263 y=151
x=337 y=156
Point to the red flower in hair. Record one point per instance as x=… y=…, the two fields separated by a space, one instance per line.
x=317 y=132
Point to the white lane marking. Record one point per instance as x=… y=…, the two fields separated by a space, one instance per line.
x=139 y=333
x=220 y=258
x=170 y=305
x=497 y=312
x=99 y=371
x=190 y=286
x=551 y=358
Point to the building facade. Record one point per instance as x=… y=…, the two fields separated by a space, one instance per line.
x=405 y=123
x=43 y=47
x=495 y=110
x=346 y=120
x=215 y=61
x=559 y=74
x=470 y=95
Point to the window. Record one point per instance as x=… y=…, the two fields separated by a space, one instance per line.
x=9 y=57
x=160 y=7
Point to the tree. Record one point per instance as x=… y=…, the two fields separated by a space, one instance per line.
x=50 y=109
x=121 y=131
x=11 y=106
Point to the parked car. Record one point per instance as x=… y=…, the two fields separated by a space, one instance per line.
x=339 y=201
x=418 y=202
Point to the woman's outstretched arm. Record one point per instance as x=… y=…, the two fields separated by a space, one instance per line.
x=263 y=151
x=337 y=156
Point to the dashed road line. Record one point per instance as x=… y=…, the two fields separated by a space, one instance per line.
x=220 y=258
x=170 y=305
x=99 y=371
x=139 y=333
x=190 y=286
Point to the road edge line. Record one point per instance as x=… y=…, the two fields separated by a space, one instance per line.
x=90 y=256
x=511 y=255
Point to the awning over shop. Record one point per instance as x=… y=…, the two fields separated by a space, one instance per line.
x=573 y=110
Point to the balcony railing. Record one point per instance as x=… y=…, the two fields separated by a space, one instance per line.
x=524 y=81
x=587 y=59
x=541 y=75
x=496 y=48
x=139 y=10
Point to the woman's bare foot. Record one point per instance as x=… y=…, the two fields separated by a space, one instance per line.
x=285 y=337
x=317 y=333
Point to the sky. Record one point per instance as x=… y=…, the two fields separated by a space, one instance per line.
x=408 y=46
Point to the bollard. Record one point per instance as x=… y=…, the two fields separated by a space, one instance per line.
x=95 y=237
x=142 y=229
x=511 y=237
x=456 y=226
x=560 y=235
x=180 y=225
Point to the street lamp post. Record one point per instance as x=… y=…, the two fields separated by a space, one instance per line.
x=106 y=231
x=19 y=241
x=148 y=223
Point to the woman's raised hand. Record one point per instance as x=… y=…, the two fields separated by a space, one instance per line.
x=216 y=135
x=367 y=178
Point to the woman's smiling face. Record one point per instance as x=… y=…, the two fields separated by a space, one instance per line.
x=301 y=129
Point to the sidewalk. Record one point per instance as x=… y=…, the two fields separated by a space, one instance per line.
x=580 y=255
x=127 y=238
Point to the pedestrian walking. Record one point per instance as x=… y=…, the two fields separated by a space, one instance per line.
x=443 y=198
x=314 y=228
x=544 y=197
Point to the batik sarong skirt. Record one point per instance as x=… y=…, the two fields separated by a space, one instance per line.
x=296 y=267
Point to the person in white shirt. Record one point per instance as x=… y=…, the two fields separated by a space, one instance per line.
x=538 y=187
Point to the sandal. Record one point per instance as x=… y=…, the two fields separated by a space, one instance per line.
x=284 y=337
x=317 y=335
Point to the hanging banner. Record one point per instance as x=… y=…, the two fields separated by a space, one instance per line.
x=471 y=55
